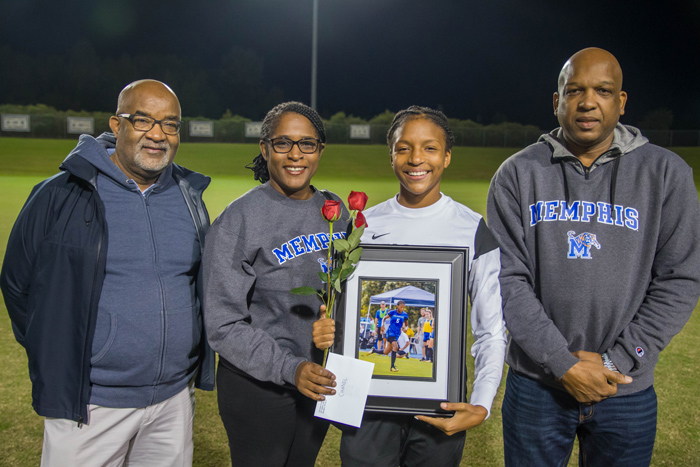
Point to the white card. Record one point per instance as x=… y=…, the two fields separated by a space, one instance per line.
x=353 y=378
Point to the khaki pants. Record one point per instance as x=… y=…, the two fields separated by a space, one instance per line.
x=157 y=435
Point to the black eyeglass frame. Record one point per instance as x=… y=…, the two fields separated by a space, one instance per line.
x=319 y=144
x=131 y=117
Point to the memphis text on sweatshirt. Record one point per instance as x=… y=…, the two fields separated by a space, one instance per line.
x=582 y=244
x=302 y=244
x=584 y=211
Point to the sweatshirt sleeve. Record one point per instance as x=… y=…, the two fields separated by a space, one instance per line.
x=675 y=280
x=228 y=279
x=527 y=322
x=22 y=247
x=488 y=327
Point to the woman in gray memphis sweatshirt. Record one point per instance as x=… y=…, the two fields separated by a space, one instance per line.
x=265 y=243
x=605 y=259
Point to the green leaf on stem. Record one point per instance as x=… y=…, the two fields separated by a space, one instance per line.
x=355 y=255
x=336 y=285
x=355 y=236
x=346 y=272
x=304 y=291
x=323 y=276
x=335 y=274
x=341 y=245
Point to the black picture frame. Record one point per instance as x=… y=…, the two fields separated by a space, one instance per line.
x=447 y=268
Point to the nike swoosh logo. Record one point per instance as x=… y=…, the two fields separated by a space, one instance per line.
x=375 y=236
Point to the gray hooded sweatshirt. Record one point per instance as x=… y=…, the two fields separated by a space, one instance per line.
x=262 y=246
x=147 y=333
x=601 y=259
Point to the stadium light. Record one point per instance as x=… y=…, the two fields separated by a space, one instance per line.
x=314 y=55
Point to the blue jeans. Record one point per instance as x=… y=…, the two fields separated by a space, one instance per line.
x=540 y=424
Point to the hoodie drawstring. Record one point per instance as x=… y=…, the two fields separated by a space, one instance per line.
x=566 y=182
x=613 y=182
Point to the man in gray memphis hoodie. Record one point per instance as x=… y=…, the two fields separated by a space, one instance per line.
x=600 y=238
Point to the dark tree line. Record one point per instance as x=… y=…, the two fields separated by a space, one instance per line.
x=80 y=79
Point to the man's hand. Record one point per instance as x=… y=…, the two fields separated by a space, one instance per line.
x=313 y=381
x=324 y=333
x=466 y=416
x=588 y=356
x=589 y=381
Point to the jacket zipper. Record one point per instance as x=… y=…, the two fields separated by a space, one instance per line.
x=194 y=215
x=163 y=320
x=587 y=170
x=81 y=419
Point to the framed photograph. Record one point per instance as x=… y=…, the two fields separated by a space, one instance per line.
x=410 y=301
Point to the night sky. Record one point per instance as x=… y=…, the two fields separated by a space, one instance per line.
x=471 y=59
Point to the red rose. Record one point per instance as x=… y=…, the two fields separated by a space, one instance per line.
x=331 y=210
x=360 y=220
x=357 y=201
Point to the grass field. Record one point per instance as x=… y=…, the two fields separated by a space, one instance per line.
x=25 y=162
x=407 y=367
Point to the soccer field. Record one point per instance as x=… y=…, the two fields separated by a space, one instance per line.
x=406 y=367
x=25 y=162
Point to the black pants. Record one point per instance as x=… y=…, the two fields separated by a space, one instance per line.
x=388 y=440
x=267 y=425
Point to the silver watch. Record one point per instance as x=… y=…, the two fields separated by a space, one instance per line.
x=609 y=363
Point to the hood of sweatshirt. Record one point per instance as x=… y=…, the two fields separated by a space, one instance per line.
x=89 y=156
x=97 y=151
x=625 y=139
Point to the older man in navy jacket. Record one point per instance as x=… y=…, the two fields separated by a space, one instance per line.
x=100 y=281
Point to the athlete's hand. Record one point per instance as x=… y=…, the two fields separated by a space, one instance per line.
x=466 y=416
x=324 y=332
x=589 y=380
x=313 y=381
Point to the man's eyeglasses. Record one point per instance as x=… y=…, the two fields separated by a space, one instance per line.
x=143 y=123
x=285 y=145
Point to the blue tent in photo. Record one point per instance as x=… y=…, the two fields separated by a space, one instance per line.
x=413 y=296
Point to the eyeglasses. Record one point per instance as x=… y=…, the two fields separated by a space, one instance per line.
x=143 y=123
x=285 y=145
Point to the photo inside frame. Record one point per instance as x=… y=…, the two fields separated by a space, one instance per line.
x=396 y=327
x=437 y=275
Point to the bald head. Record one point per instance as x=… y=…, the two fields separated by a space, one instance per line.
x=589 y=101
x=590 y=57
x=137 y=89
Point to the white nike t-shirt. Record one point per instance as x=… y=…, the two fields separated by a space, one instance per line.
x=448 y=223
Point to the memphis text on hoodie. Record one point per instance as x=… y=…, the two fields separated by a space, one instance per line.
x=582 y=244
x=302 y=244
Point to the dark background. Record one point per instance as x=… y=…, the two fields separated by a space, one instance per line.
x=488 y=61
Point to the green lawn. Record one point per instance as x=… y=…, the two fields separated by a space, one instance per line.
x=25 y=162
x=407 y=367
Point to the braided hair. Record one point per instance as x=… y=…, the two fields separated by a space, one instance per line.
x=269 y=125
x=416 y=111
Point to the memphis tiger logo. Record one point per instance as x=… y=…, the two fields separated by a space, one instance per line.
x=580 y=245
x=324 y=265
